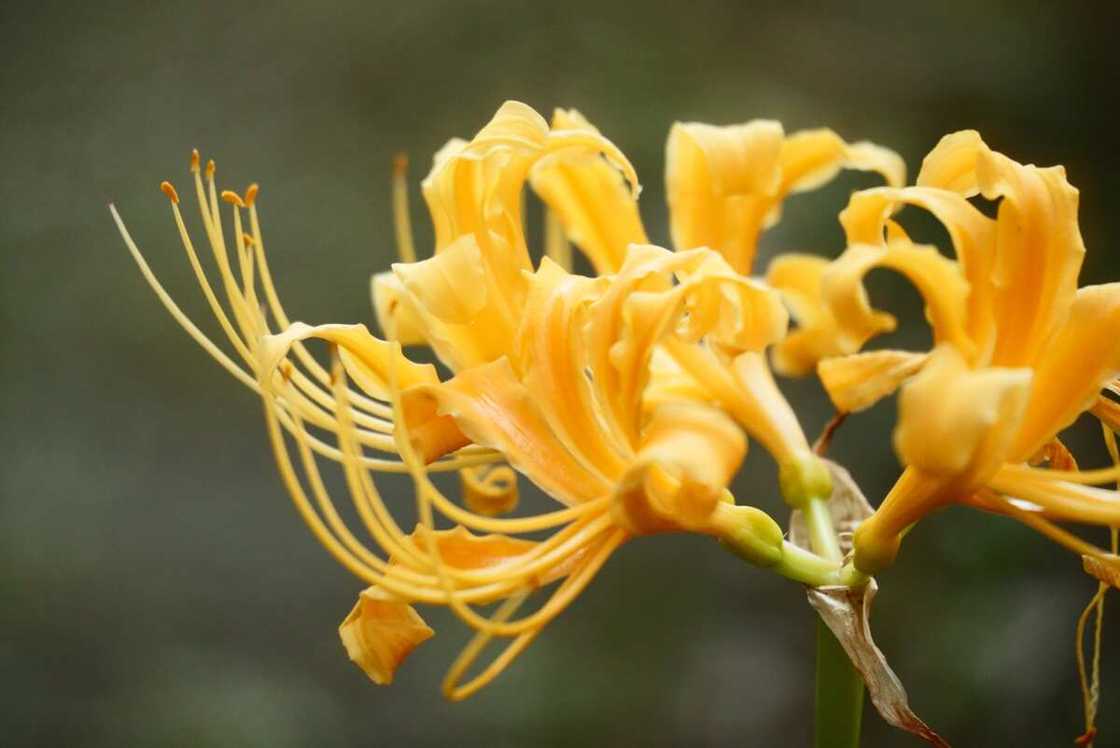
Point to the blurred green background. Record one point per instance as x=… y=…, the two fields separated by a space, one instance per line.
x=157 y=587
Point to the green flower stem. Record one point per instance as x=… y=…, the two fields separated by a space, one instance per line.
x=822 y=535
x=807 y=567
x=839 y=697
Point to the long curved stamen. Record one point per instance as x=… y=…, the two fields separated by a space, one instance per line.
x=402 y=221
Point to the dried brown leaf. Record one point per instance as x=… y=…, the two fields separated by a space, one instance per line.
x=847 y=612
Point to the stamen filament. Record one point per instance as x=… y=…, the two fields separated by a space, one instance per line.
x=402 y=221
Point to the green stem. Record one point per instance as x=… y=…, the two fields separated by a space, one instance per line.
x=839 y=697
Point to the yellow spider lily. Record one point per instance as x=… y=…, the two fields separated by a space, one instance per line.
x=1019 y=351
x=551 y=372
x=724 y=186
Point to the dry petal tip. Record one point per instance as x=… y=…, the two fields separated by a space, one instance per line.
x=195 y=160
x=169 y=189
x=233 y=198
x=251 y=194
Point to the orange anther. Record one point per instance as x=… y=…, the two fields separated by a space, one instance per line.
x=233 y=198
x=169 y=190
x=400 y=164
x=210 y=169
x=251 y=194
x=195 y=159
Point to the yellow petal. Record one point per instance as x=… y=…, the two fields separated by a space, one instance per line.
x=474 y=195
x=726 y=184
x=451 y=286
x=958 y=422
x=492 y=408
x=382 y=630
x=1038 y=247
x=1079 y=360
x=811 y=158
x=553 y=357
x=461 y=549
x=369 y=361
x=641 y=307
x=721 y=182
x=465 y=313
x=590 y=196
x=769 y=418
x=380 y=633
x=859 y=381
x=475 y=187
x=668 y=382
x=432 y=434
x=800 y=279
x=396 y=315
x=938 y=279
x=972 y=235
x=689 y=454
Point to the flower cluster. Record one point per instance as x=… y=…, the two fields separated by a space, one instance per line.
x=629 y=396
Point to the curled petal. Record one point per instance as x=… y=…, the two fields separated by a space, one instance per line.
x=868 y=217
x=489 y=489
x=380 y=633
x=474 y=188
x=800 y=279
x=590 y=196
x=689 y=454
x=368 y=360
x=939 y=280
x=859 y=381
x=811 y=158
x=721 y=182
x=642 y=306
x=1038 y=247
x=957 y=422
x=726 y=184
x=554 y=362
x=1082 y=356
x=473 y=302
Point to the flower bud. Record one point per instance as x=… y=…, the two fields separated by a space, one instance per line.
x=752 y=535
x=804 y=477
x=874 y=550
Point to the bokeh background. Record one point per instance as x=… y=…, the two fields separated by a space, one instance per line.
x=156 y=586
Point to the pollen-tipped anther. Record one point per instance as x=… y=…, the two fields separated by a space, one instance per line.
x=233 y=198
x=251 y=194
x=169 y=189
x=195 y=160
